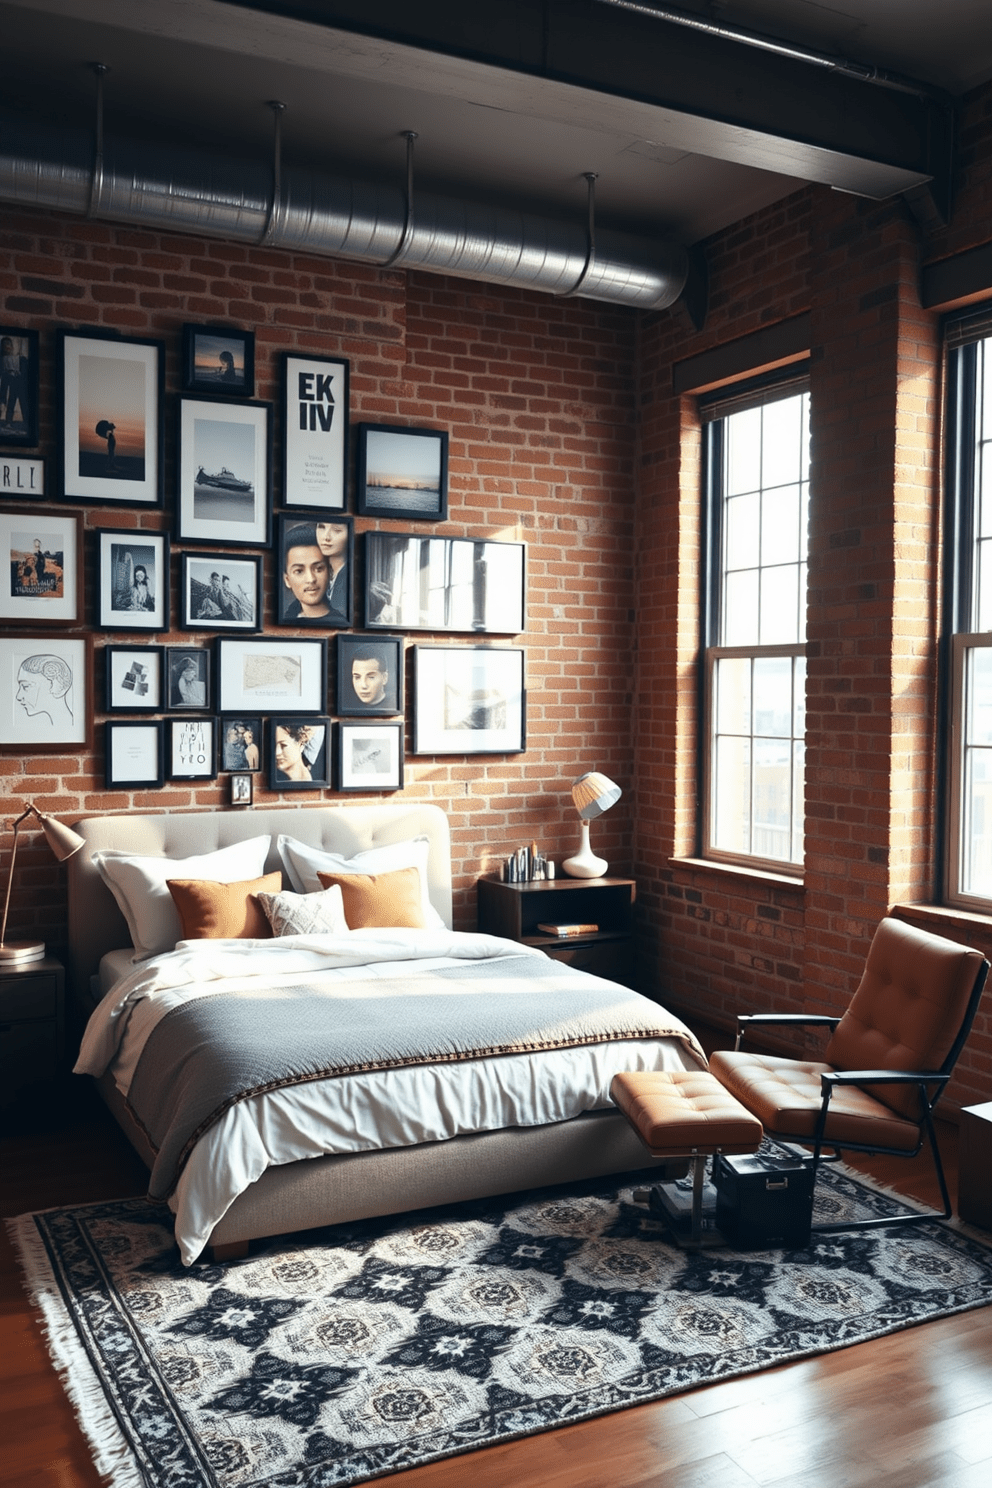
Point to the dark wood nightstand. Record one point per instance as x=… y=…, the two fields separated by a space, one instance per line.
x=514 y=910
x=32 y=1025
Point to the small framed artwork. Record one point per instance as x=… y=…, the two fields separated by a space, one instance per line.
x=19 y=363
x=133 y=678
x=45 y=680
x=313 y=571
x=42 y=567
x=299 y=752
x=187 y=671
x=220 y=360
x=402 y=473
x=414 y=582
x=241 y=743
x=22 y=475
x=315 y=432
x=242 y=790
x=132 y=579
x=224 y=472
x=192 y=748
x=110 y=418
x=468 y=700
x=222 y=592
x=265 y=675
x=369 y=675
x=370 y=756
x=134 y=754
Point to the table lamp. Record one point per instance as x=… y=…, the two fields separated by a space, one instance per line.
x=64 y=842
x=593 y=794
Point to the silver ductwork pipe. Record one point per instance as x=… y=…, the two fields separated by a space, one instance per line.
x=212 y=195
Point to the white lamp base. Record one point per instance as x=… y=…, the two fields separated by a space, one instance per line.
x=585 y=864
x=22 y=950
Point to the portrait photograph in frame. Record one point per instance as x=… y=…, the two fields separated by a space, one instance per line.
x=220 y=591
x=242 y=790
x=299 y=752
x=370 y=757
x=42 y=567
x=192 y=748
x=187 y=678
x=110 y=418
x=133 y=677
x=132 y=579
x=218 y=360
x=313 y=569
x=369 y=675
x=241 y=743
x=315 y=432
x=468 y=700
x=44 y=692
x=417 y=582
x=224 y=461
x=134 y=754
x=402 y=473
x=19 y=364
x=266 y=675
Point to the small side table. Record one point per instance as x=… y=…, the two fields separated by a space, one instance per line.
x=514 y=910
x=975 y=1165
x=32 y=1024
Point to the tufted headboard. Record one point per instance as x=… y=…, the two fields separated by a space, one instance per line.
x=97 y=926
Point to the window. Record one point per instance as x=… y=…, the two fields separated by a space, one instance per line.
x=757 y=479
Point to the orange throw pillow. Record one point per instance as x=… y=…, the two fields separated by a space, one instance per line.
x=223 y=911
x=379 y=900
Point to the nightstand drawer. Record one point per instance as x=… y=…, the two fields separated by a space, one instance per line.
x=34 y=996
x=28 y=1055
x=606 y=958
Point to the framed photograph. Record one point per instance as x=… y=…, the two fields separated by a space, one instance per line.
x=192 y=748
x=299 y=752
x=315 y=432
x=221 y=592
x=369 y=675
x=242 y=790
x=402 y=473
x=268 y=675
x=468 y=700
x=313 y=570
x=187 y=674
x=443 y=583
x=44 y=692
x=220 y=360
x=110 y=419
x=42 y=567
x=132 y=583
x=133 y=677
x=241 y=743
x=19 y=363
x=134 y=754
x=224 y=472
x=370 y=756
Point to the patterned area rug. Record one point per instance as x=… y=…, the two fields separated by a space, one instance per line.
x=345 y=1354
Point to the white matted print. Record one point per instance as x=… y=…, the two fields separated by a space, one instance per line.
x=288 y=675
x=224 y=472
x=468 y=700
x=22 y=475
x=110 y=419
x=40 y=566
x=192 y=748
x=370 y=756
x=132 y=579
x=134 y=754
x=44 y=693
x=133 y=678
x=315 y=423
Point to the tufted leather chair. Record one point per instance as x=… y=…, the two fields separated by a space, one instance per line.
x=886 y=1064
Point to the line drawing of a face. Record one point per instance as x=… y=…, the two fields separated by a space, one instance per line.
x=43 y=686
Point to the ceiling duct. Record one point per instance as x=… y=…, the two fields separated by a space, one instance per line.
x=193 y=191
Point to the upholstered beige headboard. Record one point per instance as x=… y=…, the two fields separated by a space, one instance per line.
x=96 y=925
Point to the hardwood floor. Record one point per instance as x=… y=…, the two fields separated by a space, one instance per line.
x=910 y=1411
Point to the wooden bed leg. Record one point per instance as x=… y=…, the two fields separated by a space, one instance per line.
x=235 y=1251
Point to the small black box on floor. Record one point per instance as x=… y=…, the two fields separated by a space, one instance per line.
x=764 y=1202
x=672 y=1202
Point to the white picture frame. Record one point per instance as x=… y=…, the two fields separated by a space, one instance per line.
x=284 y=675
x=315 y=432
x=45 y=699
x=41 y=560
x=224 y=472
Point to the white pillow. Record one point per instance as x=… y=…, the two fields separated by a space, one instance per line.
x=302 y=864
x=305 y=914
x=139 y=886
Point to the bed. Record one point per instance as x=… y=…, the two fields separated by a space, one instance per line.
x=390 y=1171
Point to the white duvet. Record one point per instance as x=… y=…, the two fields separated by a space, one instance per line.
x=350 y=1113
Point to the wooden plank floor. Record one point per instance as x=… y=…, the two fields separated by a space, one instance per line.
x=910 y=1411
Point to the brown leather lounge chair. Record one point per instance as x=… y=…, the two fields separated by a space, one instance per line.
x=887 y=1061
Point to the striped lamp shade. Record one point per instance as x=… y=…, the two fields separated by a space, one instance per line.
x=593 y=794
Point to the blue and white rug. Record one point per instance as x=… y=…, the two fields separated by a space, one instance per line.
x=342 y=1355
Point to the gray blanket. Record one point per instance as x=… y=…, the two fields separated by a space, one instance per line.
x=213 y=1051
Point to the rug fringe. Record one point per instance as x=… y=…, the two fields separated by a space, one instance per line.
x=111 y=1452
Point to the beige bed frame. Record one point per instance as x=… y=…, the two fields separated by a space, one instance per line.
x=330 y=1190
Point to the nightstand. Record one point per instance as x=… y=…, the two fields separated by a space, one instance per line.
x=513 y=910
x=32 y=1024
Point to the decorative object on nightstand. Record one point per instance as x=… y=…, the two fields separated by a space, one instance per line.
x=64 y=842
x=594 y=918
x=593 y=794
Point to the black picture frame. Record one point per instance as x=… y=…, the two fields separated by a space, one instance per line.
x=218 y=360
x=192 y=748
x=373 y=663
x=418 y=581
x=133 y=679
x=414 y=460
x=369 y=756
x=123 y=600
x=315 y=394
x=322 y=533
x=469 y=700
x=231 y=754
x=304 y=732
x=221 y=591
x=134 y=754
x=224 y=472
x=110 y=391
x=241 y=790
x=20 y=362
x=188 y=676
